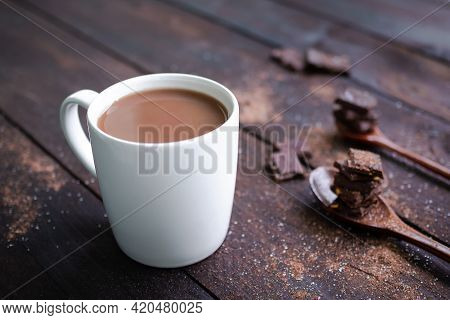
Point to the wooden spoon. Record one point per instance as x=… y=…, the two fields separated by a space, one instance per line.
x=377 y=138
x=382 y=218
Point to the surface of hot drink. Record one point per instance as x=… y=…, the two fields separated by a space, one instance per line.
x=162 y=115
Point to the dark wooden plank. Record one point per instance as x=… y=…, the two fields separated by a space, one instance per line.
x=193 y=45
x=387 y=18
x=49 y=215
x=392 y=70
x=17 y=264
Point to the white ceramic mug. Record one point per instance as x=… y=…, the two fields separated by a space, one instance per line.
x=162 y=219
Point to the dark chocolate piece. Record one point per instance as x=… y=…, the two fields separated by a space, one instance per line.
x=355 y=199
x=357 y=126
x=357 y=100
x=356 y=211
x=359 y=180
x=351 y=116
x=355 y=111
x=364 y=162
x=343 y=182
x=289 y=58
x=348 y=174
x=355 y=122
x=327 y=62
x=285 y=165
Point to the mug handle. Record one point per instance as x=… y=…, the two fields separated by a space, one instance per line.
x=73 y=131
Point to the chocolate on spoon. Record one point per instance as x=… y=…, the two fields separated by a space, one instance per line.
x=379 y=217
x=377 y=138
x=356 y=121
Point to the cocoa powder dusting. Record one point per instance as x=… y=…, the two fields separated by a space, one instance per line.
x=32 y=174
x=256 y=100
x=21 y=210
x=325 y=146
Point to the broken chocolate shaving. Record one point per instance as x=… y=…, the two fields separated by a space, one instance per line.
x=357 y=100
x=289 y=58
x=285 y=165
x=350 y=115
x=363 y=126
x=364 y=162
x=355 y=111
x=327 y=62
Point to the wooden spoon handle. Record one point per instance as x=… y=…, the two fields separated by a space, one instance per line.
x=402 y=230
x=425 y=162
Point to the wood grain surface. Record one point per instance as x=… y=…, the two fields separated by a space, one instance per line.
x=265 y=89
x=280 y=244
x=391 y=70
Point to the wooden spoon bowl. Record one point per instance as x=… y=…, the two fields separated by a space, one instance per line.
x=381 y=217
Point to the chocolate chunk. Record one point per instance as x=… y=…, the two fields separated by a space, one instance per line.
x=364 y=162
x=363 y=126
x=355 y=199
x=347 y=115
x=357 y=211
x=343 y=182
x=289 y=58
x=352 y=176
x=327 y=62
x=350 y=120
x=359 y=180
x=355 y=111
x=285 y=165
x=357 y=100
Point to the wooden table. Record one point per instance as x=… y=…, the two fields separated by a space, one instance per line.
x=279 y=244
